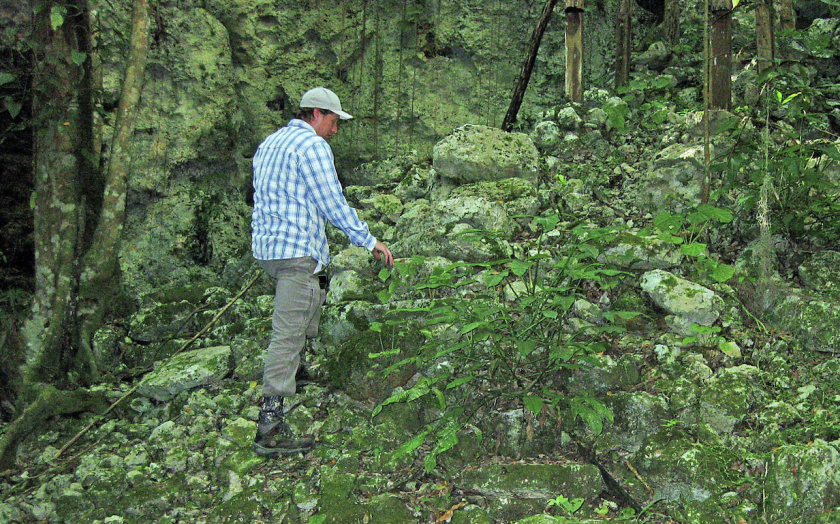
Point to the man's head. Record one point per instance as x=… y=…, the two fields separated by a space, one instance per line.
x=321 y=108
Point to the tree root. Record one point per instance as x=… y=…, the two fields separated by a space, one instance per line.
x=50 y=403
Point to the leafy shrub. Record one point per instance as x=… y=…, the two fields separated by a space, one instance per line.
x=510 y=342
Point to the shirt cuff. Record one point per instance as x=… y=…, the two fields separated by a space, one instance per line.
x=370 y=243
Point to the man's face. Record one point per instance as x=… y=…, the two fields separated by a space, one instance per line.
x=325 y=125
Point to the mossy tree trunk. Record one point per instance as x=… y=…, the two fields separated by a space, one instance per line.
x=100 y=273
x=64 y=175
x=79 y=211
x=671 y=31
x=765 y=37
x=624 y=42
x=787 y=16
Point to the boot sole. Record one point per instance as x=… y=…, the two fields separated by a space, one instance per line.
x=276 y=452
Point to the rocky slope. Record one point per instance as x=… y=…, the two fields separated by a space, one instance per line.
x=568 y=335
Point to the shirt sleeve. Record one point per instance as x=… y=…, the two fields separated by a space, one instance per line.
x=318 y=169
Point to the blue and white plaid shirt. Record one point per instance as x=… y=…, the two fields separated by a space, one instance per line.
x=296 y=192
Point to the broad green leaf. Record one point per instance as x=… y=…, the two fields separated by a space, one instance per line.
x=550 y=313
x=695 y=249
x=806 y=391
x=472 y=326
x=411 y=445
x=494 y=279
x=376 y=327
x=526 y=347
x=730 y=349
x=389 y=353
x=533 y=403
x=440 y=398
x=78 y=57
x=547 y=223
x=592 y=419
x=520 y=267
x=696 y=218
x=384 y=296
x=721 y=214
x=384 y=273
x=12 y=106
x=57 y=13
x=666 y=222
x=790 y=97
x=5 y=77
x=723 y=272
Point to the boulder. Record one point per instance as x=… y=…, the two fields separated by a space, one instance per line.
x=191 y=369
x=686 y=303
x=672 y=183
x=820 y=273
x=476 y=153
x=630 y=251
x=802 y=481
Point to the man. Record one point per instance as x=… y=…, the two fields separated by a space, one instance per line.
x=296 y=192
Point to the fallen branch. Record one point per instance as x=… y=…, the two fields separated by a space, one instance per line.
x=186 y=344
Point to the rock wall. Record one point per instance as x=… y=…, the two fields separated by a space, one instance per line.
x=223 y=74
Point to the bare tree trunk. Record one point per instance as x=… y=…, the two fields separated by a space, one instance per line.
x=624 y=42
x=528 y=66
x=721 y=54
x=671 y=31
x=574 y=50
x=765 y=35
x=100 y=264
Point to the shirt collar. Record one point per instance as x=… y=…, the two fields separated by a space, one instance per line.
x=297 y=122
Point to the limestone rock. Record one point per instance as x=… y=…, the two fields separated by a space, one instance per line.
x=672 y=181
x=813 y=489
x=630 y=251
x=476 y=153
x=687 y=302
x=191 y=369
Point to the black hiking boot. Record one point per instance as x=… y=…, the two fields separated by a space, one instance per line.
x=274 y=436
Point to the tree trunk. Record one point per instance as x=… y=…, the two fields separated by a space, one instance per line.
x=624 y=42
x=765 y=38
x=49 y=403
x=574 y=50
x=62 y=133
x=671 y=22
x=69 y=201
x=101 y=269
x=787 y=16
x=721 y=54
x=528 y=66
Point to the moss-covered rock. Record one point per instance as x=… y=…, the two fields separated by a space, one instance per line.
x=802 y=481
x=479 y=153
x=673 y=180
x=820 y=274
x=636 y=416
x=535 y=481
x=687 y=302
x=199 y=367
x=632 y=251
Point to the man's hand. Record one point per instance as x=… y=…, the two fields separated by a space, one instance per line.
x=381 y=252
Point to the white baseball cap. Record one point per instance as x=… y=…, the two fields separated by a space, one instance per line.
x=323 y=98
